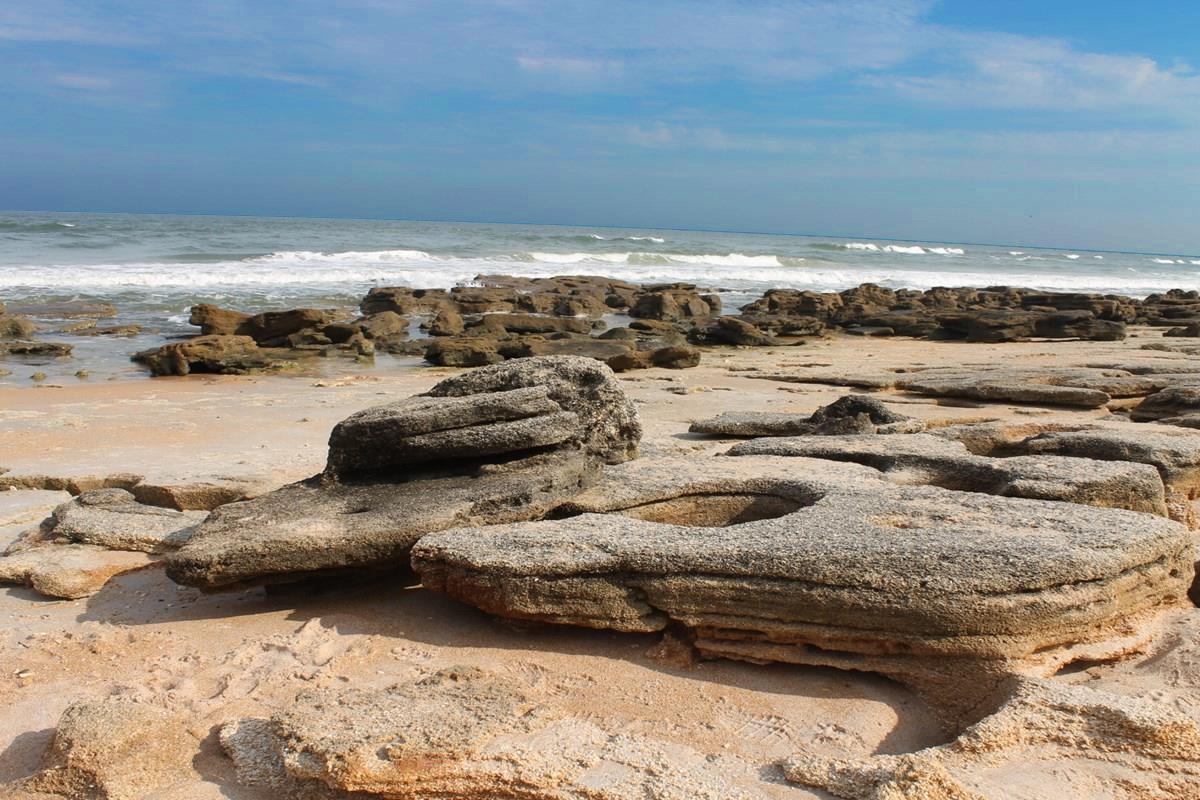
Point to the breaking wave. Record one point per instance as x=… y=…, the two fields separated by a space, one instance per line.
x=904 y=249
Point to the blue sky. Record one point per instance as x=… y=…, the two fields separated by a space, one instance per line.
x=1056 y=122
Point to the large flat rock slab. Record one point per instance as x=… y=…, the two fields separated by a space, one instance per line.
x=112 y=518
x=1079 y=387
x=926 y=459
x=69 y=571
x=801 y=561
x=467 y=733
x=314 y=528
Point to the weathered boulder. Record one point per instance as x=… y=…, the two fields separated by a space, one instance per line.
x=464 y=732
x=579 y=385
x=1174 y=453
x=14 y=327
x=732 y=330
x=428 y=429
x=272 y=328
x=215 y=321
x=316 y=528
x=24 y=348
x=765 y=423
x=674 y=301
x=531 y=323
x=403 y=300
x=564 y=345
x=1191 y=330
x=498 y=444
x=852 y=405
x=229 y=355
x=112 y=518
x=114 y=749
x=447 y=322
x=822 y=563
x=463 y=351
x=1174 y=401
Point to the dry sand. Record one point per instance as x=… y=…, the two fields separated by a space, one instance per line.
x=245 y=653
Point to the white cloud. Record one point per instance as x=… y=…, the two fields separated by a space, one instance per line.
x=1004 y=71
x=86 y=83
x=376 y=51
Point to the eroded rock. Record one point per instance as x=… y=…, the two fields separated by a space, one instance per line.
x=1120 y=747
x=823 y=563
x=113 y=519
x=499 y=444
x=465 y=732
x=69 y=571
x=925 y=459
x=114 y=749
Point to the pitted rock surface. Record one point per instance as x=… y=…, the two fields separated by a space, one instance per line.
x=112 y=518
x=925 y=459
x=500 y=444
x=579 y=385
x=426 y=429
x=840 y=568
x=465 y=732
x=1125 y=747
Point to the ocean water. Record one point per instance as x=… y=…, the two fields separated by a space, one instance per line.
x=153 y=267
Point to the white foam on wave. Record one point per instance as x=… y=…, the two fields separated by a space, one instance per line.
x=346 y=257
x=301 y=274
x=903 y=249
x=655 y=239
x=713 y=259
x=1016 y=252
x=1073 y=256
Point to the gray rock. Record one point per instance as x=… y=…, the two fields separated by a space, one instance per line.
x=766 y=423
x=579 y=385
x=924 y=459
x=112 y=518
x=1173 y=401
x=1067 y=386
x=846 y=415
x=852 y=405
x=228 y=355
x=500 y=444
x=824 y=563
x=315 y=528
x=422 y=429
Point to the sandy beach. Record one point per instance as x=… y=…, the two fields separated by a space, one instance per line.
x=246 y=653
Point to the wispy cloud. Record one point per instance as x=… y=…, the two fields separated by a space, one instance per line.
x=362 y=48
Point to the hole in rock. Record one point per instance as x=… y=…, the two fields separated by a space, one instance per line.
x=714 y=510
